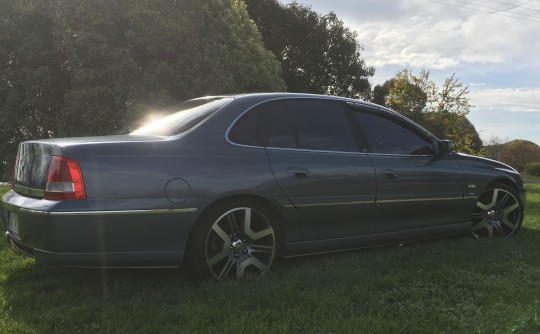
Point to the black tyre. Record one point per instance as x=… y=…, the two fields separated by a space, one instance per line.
x=498 y=212
x=231 y=239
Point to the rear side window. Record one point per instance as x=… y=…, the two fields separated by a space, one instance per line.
x=268 y=124
x=280 y=128
x=184 y=117
x=247 y=130
x=321 y=125
x=390 y=137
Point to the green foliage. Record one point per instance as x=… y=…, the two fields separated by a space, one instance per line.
x=440 y=110
x=533 y=169
x=71 y=67
x=456 y=285
x=317 y=52
x=380 y=92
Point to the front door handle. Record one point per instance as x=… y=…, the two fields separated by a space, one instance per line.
x=299 y=173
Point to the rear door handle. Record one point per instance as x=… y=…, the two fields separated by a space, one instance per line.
x=299 y=173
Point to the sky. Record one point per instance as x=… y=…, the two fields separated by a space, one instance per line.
x=493 y=46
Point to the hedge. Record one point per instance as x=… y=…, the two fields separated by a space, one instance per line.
x=533 y=169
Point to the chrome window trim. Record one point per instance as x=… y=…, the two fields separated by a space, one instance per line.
x=404 y=155
x=292 y=97
x=331 y=98
x=316 y=151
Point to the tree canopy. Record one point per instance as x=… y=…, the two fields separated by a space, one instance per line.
x=317 y=52
x=440 y=110
x=71 y=67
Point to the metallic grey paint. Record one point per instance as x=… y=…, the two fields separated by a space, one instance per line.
x=137 y=213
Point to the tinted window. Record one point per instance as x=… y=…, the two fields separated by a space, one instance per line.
x=306 y=124
x=322 y=125
x=246 y=131
x=269 y=121
x=387 y=136
x=280 y=128
x=186 y=115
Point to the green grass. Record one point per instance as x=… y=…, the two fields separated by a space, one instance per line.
x=447 y=286
x=4 y=189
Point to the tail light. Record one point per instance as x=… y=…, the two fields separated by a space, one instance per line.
x=65 y=180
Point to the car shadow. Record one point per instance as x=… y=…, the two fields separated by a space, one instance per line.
x=79 y=298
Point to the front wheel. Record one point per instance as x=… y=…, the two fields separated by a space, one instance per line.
x=231 y=239
x=498 y=212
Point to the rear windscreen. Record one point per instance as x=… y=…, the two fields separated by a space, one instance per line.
x=183 y=117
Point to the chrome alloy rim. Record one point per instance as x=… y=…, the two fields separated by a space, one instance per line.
x=241 y=240
x=497 y=212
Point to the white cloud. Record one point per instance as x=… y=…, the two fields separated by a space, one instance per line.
x=439 y=41
x=506 y=112
x=508 y=99
x=421 y=33
x=496 y=56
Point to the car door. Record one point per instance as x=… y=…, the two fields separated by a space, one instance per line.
x=319 y=163
x=416 y=189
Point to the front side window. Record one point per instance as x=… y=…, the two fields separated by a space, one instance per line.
x=390 y=137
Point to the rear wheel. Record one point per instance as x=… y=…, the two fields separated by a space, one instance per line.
x=232 y=239
x=498 y=212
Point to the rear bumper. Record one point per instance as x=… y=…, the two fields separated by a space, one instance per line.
x=82 y=238
x=101 y=260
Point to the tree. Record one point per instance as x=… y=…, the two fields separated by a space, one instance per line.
x=380 y=92
x=32 y=81
x=477 y=145
x=317 y=52
x=442 y=111
x=519 y=153
x=410 y=95
x=71 y=67
x=494 y=145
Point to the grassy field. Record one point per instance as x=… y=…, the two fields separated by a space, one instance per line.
x=448 y=286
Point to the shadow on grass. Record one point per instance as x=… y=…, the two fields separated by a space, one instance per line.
x=45 y=298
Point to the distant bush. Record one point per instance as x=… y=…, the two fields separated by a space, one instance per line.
x=518 y=153
x=533 y=169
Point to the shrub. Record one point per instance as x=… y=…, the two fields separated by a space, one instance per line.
x=533 y=169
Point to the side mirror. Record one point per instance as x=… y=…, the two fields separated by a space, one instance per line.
x=444 y=147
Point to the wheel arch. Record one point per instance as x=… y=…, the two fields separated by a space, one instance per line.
x=506 y=181
x=492 y=215
x=280 y=225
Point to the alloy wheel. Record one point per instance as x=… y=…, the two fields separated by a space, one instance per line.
x=498 y=212
x=239 y=241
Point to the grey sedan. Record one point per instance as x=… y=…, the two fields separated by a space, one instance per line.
x=227 y=184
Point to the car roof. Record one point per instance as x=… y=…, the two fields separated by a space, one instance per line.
x=280 y=95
